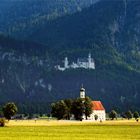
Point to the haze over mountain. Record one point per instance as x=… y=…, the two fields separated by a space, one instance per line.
x=108 y=29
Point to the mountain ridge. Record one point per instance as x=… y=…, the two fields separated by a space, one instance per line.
x=105 y=23
x=106 y=30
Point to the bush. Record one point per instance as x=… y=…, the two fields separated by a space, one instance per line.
x=129 y=115
x=2 y=122
x=113 y=114
x=136 y=115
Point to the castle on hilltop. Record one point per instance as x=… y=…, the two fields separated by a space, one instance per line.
x=86 y=63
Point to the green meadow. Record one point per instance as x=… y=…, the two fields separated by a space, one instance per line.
x=44 y=130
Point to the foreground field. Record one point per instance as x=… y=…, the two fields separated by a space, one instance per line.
x=70 y=130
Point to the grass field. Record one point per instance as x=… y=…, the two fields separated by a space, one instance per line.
x=70 y=130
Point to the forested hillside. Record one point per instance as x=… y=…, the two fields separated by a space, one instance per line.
x=109 y=30
x=19 y=18
x=108 y=25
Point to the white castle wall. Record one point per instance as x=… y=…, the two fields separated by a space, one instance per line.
x=88 y=64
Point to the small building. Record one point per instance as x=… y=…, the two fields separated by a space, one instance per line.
x=98 y=110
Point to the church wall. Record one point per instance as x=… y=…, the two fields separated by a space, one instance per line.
x=100 y=113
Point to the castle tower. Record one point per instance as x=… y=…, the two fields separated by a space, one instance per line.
x=82 y=93
x=66 y=62
x=89 y=60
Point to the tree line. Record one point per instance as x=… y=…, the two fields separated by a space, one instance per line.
x=128 y=115
x=67 y=109
x=64 y=109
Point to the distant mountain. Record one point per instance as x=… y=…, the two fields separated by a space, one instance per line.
x=23 y=67
x=109 y=30
x=106 y=25
x=19 y=17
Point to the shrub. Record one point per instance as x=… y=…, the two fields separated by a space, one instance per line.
x=136 y=115
x=2 y=122
x=129 y=115
x=113 y=114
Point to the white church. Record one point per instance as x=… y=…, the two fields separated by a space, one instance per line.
x=86 y=63
x=97 y=109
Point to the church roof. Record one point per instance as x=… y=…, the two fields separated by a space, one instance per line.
x=97 y=105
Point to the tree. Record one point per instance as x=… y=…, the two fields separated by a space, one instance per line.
x=136 y=115
x=68 y=103
x=9 y=110
x=128 y=115
x=59 y=110
x=78 y=108
x=88 y=107
x=113 y=114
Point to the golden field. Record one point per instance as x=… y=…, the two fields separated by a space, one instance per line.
x=70 y=130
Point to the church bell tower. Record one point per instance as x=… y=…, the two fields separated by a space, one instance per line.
x=82 y=93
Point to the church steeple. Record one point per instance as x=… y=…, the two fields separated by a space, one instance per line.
x=82 y=93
